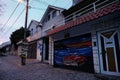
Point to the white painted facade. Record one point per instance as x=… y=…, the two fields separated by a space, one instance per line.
x=35 y=31
x=39 y=50
x=55 y=22
x=56 y=19
x=52 y=18
x=35 y=34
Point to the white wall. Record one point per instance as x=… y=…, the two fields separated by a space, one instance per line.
x=19 y=50
x=39 y=50
x=46 y=27
x=35 y=36
x=36 y=31
x=56 y=21
x=51 y=51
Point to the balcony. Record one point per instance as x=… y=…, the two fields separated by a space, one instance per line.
x=88 y=13
x=93 y=7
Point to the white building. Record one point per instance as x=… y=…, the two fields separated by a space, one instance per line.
x=33 y=40
x=52 y=18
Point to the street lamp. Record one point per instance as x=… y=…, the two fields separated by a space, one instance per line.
x=20 y=1
x=26 y=18
x=24 y=44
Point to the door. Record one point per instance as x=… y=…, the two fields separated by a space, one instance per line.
x=109 y=52
x=46 y=49
x=32 y=53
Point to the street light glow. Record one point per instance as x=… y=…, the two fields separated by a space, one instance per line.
x=20 y=1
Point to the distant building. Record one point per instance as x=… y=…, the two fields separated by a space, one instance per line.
x=5 y=48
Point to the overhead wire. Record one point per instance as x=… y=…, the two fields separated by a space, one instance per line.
x=40 y=1
x=43 y=2
x=16 y=20
x=22 y=12
x=10 y=16
x=31 y=7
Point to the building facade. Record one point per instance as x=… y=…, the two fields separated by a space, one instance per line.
x=90 y=38
x=33 y=40
x=51 y=19
x=5 y=48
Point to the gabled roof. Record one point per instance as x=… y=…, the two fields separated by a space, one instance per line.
x=5 y=44
x=33 y=21
x=47 y=10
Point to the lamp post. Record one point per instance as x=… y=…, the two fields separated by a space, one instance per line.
x=26 y=18
x=24 y=45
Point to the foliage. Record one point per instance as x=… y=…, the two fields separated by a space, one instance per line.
x=18 y=35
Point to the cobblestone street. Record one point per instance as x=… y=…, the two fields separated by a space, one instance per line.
x=11 y=69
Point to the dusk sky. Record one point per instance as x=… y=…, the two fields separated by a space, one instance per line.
x=37 y=8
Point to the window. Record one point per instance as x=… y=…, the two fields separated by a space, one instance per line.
x=31 y=32
x=53 y=14
x=48 y=18
x=37 y=28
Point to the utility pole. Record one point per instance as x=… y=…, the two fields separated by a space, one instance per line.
x=26 y=18
x=24 y=44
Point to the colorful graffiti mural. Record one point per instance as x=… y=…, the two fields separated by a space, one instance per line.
x=75 y=51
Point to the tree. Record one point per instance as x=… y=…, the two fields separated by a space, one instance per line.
x=18 y=35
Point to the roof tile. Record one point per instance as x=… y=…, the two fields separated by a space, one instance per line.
x=93 y=15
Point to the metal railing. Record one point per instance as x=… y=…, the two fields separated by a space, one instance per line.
x=93 y=7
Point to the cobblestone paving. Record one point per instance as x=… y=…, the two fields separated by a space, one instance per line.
x=11 y=69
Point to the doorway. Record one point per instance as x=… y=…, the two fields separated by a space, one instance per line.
x=109 y=52
x=46 y=48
